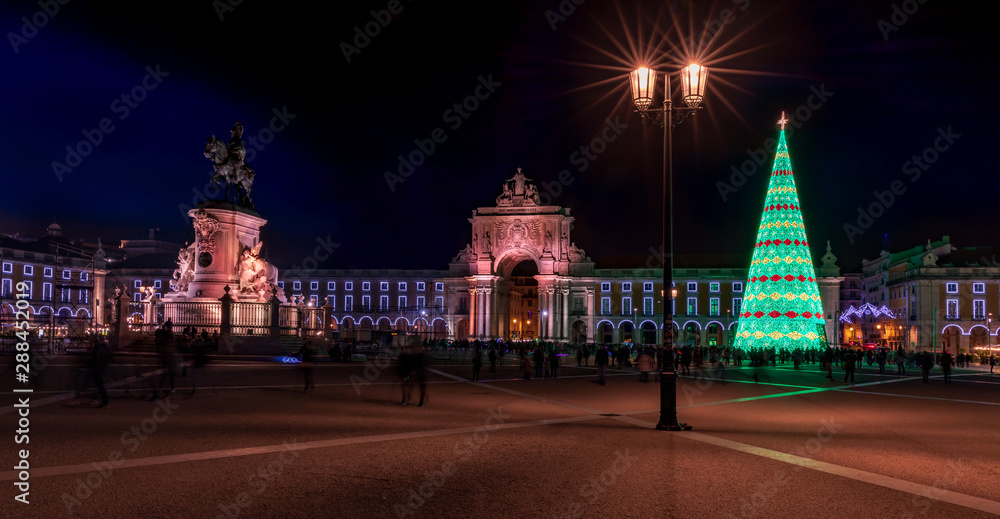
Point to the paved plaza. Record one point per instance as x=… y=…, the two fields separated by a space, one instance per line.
x=794 y=444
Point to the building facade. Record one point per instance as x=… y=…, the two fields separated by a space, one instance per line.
x=939 y=297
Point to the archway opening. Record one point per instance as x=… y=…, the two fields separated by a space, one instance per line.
x=522 y=316
x=648 y=333
x=952 y=337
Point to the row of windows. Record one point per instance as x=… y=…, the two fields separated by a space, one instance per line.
x=692 y=286
x=365 y=286
x=383 y=302
x=977 y=288
x=692 y=306
x=29 y=270
x=978 y=309
x=65 y=294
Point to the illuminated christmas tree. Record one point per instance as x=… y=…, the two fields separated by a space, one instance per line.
x=781 y=304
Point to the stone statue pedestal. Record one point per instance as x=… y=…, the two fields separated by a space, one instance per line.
x=222 y=231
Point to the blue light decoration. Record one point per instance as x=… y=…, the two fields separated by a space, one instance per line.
x=290 y=360
x=865 y=309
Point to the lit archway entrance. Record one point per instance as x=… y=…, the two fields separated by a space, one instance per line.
x=952 y=338
x=518 y=291
x=606 y=333
x=461 y=329
x=692 y=335
x=626 y=332
x=978 y=338
x=648 y=333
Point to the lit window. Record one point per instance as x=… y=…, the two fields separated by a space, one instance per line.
x=331 y=285
x=951 y=288
x=156 y=283
x=692 y=306
x=348 y=285
x=348 y=303
x=296 y=285
x=47 y=272
x=314 y=300
x=647 y=306
x=83 y=276
x=384 y=285
x=6 y=290
x=29 y=270
x=692 y=286
x=314 y=285
x=737 y=286
x=439 y=287
x=420 y=301
x=605 y=287
x=979 y=309
x=713 y=287
x=952 y=311
x=713 y=306
x=67 y=274
x=439 y=302
x=136 y=284
x=421 y=286
x=281 y=285
x=402 y=302
x=366 y=285
x=737 y=306
x=979 y=288
x=366 y=303
x=626 y=306
x=46 y=291
x=383 y=303
x=647 y=286
x=626 y=287
x=8 y=268
x=605 y=306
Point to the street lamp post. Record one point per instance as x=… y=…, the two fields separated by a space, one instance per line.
x=643 y=82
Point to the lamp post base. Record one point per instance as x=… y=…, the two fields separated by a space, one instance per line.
x=676 y=426
x=668 y=402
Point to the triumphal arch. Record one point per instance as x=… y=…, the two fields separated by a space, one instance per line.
x=520 y=254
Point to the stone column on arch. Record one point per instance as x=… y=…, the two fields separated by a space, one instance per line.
x=591 y=332
x=488 y=320
x=473 y=317
x=564 y=329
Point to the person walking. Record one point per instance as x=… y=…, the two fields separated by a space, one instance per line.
x=926 y=363
x=493 y=360
x=100 y=356
x=579 y=356
x=539 y=358
x=645 y=364
x=553 y=362
x=526 y=366
x=850 y=364
x=306 y=358
x=993 y=362
x=900 y=361
x=199 y=361
x=164 y=347
x=601 y=361
x=477 y=363
x=946 y=362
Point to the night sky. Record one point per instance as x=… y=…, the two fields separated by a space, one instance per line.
x=889 y=89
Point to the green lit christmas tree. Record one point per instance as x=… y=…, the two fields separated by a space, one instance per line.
x=781 y=304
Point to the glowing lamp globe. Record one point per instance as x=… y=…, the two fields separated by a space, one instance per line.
x=643 y=80
x=693 y=78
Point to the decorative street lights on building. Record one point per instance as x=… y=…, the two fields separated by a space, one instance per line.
x=643 y=83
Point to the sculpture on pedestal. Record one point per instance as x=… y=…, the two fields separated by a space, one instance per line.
x=184 y=273
x=256 y=275
x=230 y=166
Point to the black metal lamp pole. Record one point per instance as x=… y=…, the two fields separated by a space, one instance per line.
x=693 y=89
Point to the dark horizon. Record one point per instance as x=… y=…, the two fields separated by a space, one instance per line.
x=874 y=97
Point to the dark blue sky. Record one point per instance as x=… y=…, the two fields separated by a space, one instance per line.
x=323 y=174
